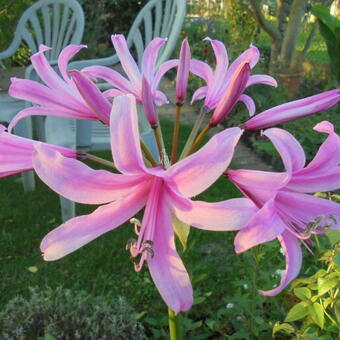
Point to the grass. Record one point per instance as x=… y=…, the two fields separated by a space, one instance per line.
x=103 y=267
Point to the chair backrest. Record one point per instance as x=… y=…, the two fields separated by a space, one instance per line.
x=158 y=18
x=55 y=23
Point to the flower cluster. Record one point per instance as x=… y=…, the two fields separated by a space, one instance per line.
x=275 y=205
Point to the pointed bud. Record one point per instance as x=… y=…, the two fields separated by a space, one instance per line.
x=232 y=93
x=293 y=110
x=92 y=96
x=183 y=71
x=148 y=104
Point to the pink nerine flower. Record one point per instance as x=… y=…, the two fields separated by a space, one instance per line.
x=218 y=80
x=162 y=193
x=16 y=153
x=135 y=76
x=59 y=97
x=285 y=210
x=293 y=110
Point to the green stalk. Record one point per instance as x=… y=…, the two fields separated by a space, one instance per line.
x=84 y=155
x=176 y=133
x=147 y=154
x=194 y=132
x=174 y=325
x=199 y=139
x=160 y=145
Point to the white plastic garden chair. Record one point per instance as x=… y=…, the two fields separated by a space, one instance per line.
x=54 y=23
x=158 y=18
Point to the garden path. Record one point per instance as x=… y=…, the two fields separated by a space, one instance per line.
x=244 y=157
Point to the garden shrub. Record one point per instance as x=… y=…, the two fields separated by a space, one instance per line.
x=65 y=314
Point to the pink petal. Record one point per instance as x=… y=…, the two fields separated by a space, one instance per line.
x=263 y=227
x=227 y=215
x=323 y=180
x=92 y=96
x=251 y=56
x=306 y=208
x=78 y=182
x=289 y=148
x=183 y=71
x=150 y=57
x=166 y=267
x=261 y=79
x=111 y=93
x=111 y=76
x=128 y=63
x=323 y=172
x=160 y=98
x=221 y=55
x=202 y=70
x=36 y=93
x=43 y=111
x=328 y=156
x=45 y=71
x=200 y=93
x=16 y=153
x=293 y=110
x=81 y=230
x=195 y=173
x=64 y=57
x=293 y=256
x=249 y=103
x=163 y=68
x=259 y=186
x=125 y=134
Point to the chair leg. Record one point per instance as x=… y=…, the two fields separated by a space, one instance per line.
x=68 y=209
x=24 y=129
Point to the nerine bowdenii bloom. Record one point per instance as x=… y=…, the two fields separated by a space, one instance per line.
x=287 y=211
x=218 y=81
x=163 y=192
x=133 y=85
x=59 y=96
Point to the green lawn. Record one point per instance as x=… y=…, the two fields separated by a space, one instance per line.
x=219 y=276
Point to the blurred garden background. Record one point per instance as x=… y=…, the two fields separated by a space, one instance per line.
x=302 y=52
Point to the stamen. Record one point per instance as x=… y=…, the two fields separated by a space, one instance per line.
x=137 y=224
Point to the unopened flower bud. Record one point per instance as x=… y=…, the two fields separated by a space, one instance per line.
x=183 y=71
x=232 y=93
x=148 y=104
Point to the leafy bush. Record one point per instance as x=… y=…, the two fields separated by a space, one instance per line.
x=66 y=314
x=316 y=312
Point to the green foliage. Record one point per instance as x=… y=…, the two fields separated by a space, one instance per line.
x=104 y=18
x=65 y=314
x=318 y=302
x=330 y=30
x=10 y=12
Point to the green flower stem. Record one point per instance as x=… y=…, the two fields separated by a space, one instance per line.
x=84 y=155
x=199 y=138
x=193 y=132
x=176 y=133
x=160 y=145
x=174 y=326
x=147 y=154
